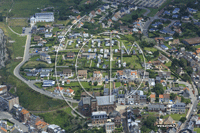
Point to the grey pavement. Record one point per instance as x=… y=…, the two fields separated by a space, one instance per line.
x=6 y=115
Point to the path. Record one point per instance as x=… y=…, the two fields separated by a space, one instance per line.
x=49 y=110
x=72 y=112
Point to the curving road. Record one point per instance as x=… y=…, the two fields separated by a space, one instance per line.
x=29 y=83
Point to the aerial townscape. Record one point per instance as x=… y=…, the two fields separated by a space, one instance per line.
x=99 y=66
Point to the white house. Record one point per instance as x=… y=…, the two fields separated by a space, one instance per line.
x=42 y=17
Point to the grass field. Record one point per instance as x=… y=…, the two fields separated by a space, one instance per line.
x=5 y=5
x=176 y=117
x=63 y=118
x=154 y=11
x=18 y=22
x=197 y=130
x=28 y=98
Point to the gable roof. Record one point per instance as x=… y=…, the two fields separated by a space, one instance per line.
x=24 y=111
x=105 y=100
x=169 y=120
x=161 y=96
x=152 y=95
x=186 y=88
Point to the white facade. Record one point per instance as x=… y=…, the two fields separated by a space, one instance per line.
x=42 y=17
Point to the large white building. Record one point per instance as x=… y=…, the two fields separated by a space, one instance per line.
x=42 y=17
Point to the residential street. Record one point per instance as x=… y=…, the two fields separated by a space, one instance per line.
x=6 y=115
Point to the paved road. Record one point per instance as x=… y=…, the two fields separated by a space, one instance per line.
x=25 y=59
x=6 y=115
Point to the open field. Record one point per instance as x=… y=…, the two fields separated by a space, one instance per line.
x=17 y=22
x=176 y=117
x=27 y=97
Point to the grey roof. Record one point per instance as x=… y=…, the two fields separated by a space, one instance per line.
x=86 y=100
x=44 y=14
x=105 y=100
x=44 y=54
x=114 y=114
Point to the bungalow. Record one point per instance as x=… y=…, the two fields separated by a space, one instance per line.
x=44 y=74
x=151 y=82
x=164 y=74
x=98 y=11
x=82 y=74
x=92 y=14
x=167 y=13
x=152 y=30
x=106 y=6
x=37 y=38
x=45 y=57
x=70 y=55
x=58 y=90
x=127 y=11
x=191 y=10
x=163 y=59
x=116 y=16
x=114 y=4
x=69 y=92
x=164 y=47
x=47 y=35
x=48 y=83
x=175 y=16
x=176 y=10
x=102 y=9
x=168 y=38
x=67 y=73
x=185 y=18
x=152 y=98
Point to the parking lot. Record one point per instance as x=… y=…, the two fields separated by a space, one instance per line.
x=149 y=3
x=144 y=3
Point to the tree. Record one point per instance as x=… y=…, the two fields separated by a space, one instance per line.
x=183 y=62
x=158 y=89
x=189 y=70
x=134 y=17
x=1 y=18
x=182 y=119
x=156 y=54
x=172 y=96
x=95 y=83
x=148 y=124
x=176 y=35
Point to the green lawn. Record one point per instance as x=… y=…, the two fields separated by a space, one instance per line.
x=128 y=17
x=182 y=85
x=63 y=118
x=24 y=8
x=153 y=12
x=176 y=117
x=150 y=49
x=168 y=64
x=197 y=130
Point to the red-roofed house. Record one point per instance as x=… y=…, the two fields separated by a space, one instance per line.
x=161 y=98
x=152 y=98
x=69 y=92
x=58 y=89
x=24 y=115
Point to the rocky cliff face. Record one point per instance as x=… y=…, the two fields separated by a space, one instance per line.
x=3 y=50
